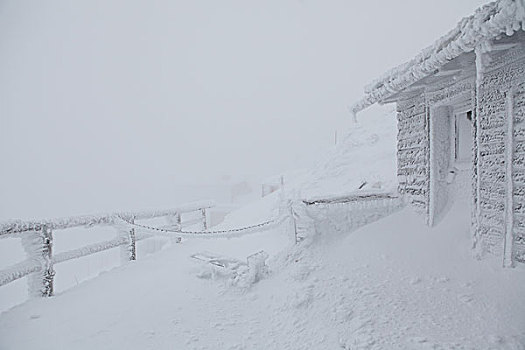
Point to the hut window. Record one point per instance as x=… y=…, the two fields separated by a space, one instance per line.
x=463 y=131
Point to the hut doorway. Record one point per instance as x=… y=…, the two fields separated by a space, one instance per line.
x=460 y=172
x=451 y=157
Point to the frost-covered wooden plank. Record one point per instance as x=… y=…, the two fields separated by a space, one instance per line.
x=18 y=226
x=90 y=249
x=413 y=156
x=95 y=248
x=17 y=271
x=360 y=197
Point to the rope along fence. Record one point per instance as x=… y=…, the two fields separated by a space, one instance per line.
x=37 y=240
x=37 y=236
x=211 y=233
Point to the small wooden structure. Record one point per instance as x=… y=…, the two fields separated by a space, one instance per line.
x=461 y=126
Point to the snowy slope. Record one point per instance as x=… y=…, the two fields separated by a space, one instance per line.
x=364 y=158
x=394 y=284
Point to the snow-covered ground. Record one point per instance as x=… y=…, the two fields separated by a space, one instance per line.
x=364 y=159
x=393 y=284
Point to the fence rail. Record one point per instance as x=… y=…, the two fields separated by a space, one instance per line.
x=37 y=236
x=37 y=240
x=19 y=226
x=355 y=198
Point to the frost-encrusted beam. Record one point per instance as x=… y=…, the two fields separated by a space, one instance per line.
x=487 y=23
x=90 y=249
x=95 y=248
x=14 y=272
x=351 y=198
x=18 y=226
x=37 y=241
x=27 y=267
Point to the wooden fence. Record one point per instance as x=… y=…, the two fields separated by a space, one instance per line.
x=37 y=240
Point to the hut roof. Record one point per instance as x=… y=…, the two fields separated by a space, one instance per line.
x=489 y=22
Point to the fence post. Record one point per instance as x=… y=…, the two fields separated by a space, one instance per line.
x=204 y=222
x=293 y=216
x=47 y=255
x=38 y=245
x=132 y=248
x=128 y=250
x=179 y=227
x=179 y=222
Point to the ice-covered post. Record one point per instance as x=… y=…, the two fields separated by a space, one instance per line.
x=179 y=222
x=293 y=216
x=132 y=245
x=176 y=222
x=38 y=246
x=128 y=251
x=47 y=266
x=132 y=249
x=204 y=222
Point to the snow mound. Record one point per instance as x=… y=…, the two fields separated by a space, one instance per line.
x=393 y=284
x=235 y=272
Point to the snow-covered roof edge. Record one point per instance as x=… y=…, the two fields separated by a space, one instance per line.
x=487 y=23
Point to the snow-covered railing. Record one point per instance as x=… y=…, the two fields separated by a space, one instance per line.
x=326 y=215
x=37 y=239
x=358 y=199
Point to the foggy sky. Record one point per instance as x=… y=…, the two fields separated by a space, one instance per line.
x=108 y=105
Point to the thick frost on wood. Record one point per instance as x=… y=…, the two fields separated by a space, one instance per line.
x=47 y=260
x=434 y=92
x=14 y=272
x=95 y=248
x=90 y=249
x=495 y=150
x=518 y=110
x=488 y=23
x=37 y=241
x=413 y=152
x=18 y=226
x=356 y=197
x=38 y=247
x=474 y=75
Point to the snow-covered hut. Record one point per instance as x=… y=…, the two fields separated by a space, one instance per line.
x=461 y=126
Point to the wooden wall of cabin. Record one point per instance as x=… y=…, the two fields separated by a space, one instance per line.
x=413 y=152
x=518 y=109
x=501 y=117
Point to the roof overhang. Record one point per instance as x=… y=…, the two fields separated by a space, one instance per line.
x=451 y=56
